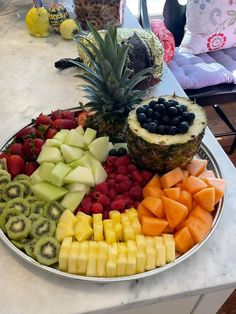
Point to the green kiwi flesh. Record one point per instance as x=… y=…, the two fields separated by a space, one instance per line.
x=27 y=189
x=6 y=215
x=21 y=177
x=33 y=217
x=12 y=190
x=46 y=251
x=31 y=199
x=53 y=210
x=2 y=207
x=4 y=173
x=22 y=205
x=21 y=243
x=38 y=207
x=3 y=181
x=18 y=227
x=29 y=247
x=43 y=227
x=3 y=164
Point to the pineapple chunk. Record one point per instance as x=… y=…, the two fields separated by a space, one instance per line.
x=83 y=258
x=64 y=253
x=102 y=258
x=112 y=260
x=124 y=219
x=119 y=231
x=114 y=216
x=132 y=213
x=129 y=233
x=83 y=231
x=160 y=251
x=84 y=217
x=73 y=258
x=141 y=253
x=68 y=218
x=136 y=226
x=121 y=264
x=92 y=258
x=108 y=224
x=97 y=218
x=131 y=257
x=98 y=231
x=110 y=236
x=150 y=253
x=63 y=231
x=170 y=247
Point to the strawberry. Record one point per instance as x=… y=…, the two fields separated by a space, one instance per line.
x=68 y=115
x=16 y=149
x=4 y=155
x=15 y=165
x=42 y=128
x=59 y=124
x=29 y=132
x=32 y=148
x=43 y=119
x=50 y=133
x=30 y=167
x=57 y=114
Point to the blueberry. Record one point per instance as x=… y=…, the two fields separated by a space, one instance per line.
x=165 y=119
x=149 y=120
x=161 y=100
x=173 y=102
x=157 y=115
x=174 y=121
x=179 y=109
x=184 y=108
x=185 y=116
x=142 y=117
x=121 y=151
x=166 y=104
x=172 y=111
x=152 y=104
x=149 y=112
x=152 y=127
x=141 y=110
x=173 y=130
x=183 y=128
x=166 y=130
x=113 y=152
x=160 y=129
x=160 y=108
x=144 y=126
x=191 y=117
x=146 y=107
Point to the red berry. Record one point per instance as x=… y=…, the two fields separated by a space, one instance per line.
x=123 y=186
x=105 y=214
x=137 y=176
x=136 y=192
x=128 y=202
x=104 y=200
x=131 y=168
x=16 y=149
x=86 y=203
x=50 y=133
x=111 y=183
x=122 y=161
x=122 y=170
x=118 y=204
x=29 y=132
x=112 y=175
x=4 y=155
x=30 y=168
x=59 y=124
x=15 y=165
x=147 y=175
x=32 y=148
x=102 y=187
x=57 y=114
x=97 y=208
x=111 y=160
x=108 y=169
x=43 y=119
x=68 y=115
x=121 y=178
x=112 y=193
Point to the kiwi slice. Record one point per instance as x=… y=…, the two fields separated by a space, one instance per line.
x=12 y=190
x=31 y=199
x=22 y=205
x=43 y=227
x=21 y=243
x=21 y=177
x=4 y=217
x=46 y=251
x=33 y=217
x=3 y=181
x=27 y=189
x=2 y=207
x=18 y=227
x=3 y=164
x=38 y=207
x=5 y=173
x=29 y=247
x=53 y=210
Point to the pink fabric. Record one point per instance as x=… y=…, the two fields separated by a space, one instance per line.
x=166 y=38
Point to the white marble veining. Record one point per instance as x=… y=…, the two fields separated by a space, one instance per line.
x=29 y=84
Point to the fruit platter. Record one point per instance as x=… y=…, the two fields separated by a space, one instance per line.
x=118 y=189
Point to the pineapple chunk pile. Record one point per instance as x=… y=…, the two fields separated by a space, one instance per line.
x=101 y=259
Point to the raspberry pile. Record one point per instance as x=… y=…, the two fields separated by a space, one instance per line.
x=121 y=190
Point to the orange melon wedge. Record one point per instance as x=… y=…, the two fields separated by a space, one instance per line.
x=152 y=191
x=196 y=166
x=171 y=178
x=183 y=240
x=154 y=182
x=142 y=211
x=219 y=185
x=154 y=205
x=206 y=198
x=173 y=193
x=206 y=174
x=203 y=215
x=175 y=211
x=193 y=184
x=185 y=198
x=197 y=228
x=153 y=226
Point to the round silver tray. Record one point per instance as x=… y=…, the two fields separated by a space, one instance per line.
x=204 y=153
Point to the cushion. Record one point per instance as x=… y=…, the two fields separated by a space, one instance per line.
x=194 y=72
x=211 y=25
x=166 y=38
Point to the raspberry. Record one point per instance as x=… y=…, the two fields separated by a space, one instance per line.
x=118 y=204
x=122 y=161
x=112 y=175
x=86 y=210
x=111 y=183
x=96 y=194
x=131 y=168
x=137 y=176
x=122 y=186
x=104 y=200
x=110 y=161
x=135 y=204
x=105 y=214
x=112 y=193
x=128 y=202
x=108 y=169
x=136 y=193
x=120 y=178
x=147 y=175
x=102 y=187
x=97 y=208
x=86 y=203
x=122 y=170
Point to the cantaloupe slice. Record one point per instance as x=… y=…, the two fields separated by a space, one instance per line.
x=175 y=211
x=183 y=240
x=219 y=185
x=171 y=178
x=152 y=191
x=206 y=174
x=168 y=229
x=203 y=215
x=196 y=166
x=153 y=226
x=185 y=174
x=193 y=185
x=206 y=198
x=173 y=193
x=185 y=198
x=154 y=182
x=197 y=228
x=142 y=211
x=154 y=205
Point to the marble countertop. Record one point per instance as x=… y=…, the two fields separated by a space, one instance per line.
x=29 y=85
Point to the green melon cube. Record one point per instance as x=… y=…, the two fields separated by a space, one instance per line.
x=73 y=138
x=89 y=135
x=99 y=172
x=53 y=142
x=50 y=154
x=80 y=130
x=84 y=161
x=80 y=175
x=78 y=187
x=58 y=173
x=45 y=170
x=61 y=135
x=48 y=192
x=71 y=153
x=72 y=200
x=35 y=177
x=99 y=148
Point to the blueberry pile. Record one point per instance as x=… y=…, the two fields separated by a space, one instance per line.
x=165 y=117
x=118 y=152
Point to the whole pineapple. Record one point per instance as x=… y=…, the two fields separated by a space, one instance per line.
x=111 y=88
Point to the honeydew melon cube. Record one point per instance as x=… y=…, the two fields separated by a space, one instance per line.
x=73 y=138
x=72 y=200
x=89 y=135
x=99 y=148
x=58 y=173
x=71 y=153
x=53 y=142
x=81 y=175
x=45 y=170
x=84 y=161
x=61 y=135
x=50 y=154
x=99 y=172
x=77 y=187
x=80 y=130
x=48 y=192
x=35 y=177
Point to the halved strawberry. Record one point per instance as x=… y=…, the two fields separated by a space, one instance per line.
x=68 y=115
x=57 y=114
x=15 y=165
x=64 y=124
x=4 y=155
x=32 y=148
x=43 y=119
x=29 y=132
x=16 y=149
x=30 y=168
x=50 y=133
